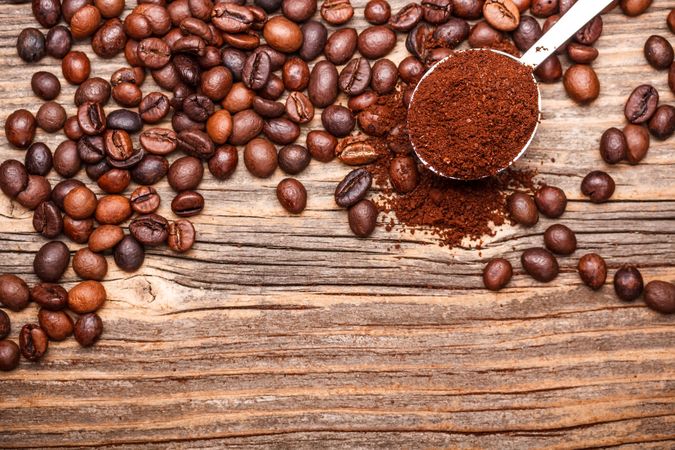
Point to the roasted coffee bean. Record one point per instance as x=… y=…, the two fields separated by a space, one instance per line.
x=581 y=54
x=75 y=67
x=497 y=274
x=95 y=90
x=292 y=195
x=376 y=41
x=150 y=169
x=187 y=204
x=551 y=201
x=38 y=159
x=30 y=45
x=356 y=151
x=191 y=44
x=234 y=59
x=51 y=261
x=283 y=35
x=9 y=355
x=14 y=293
x=613 y=146
x=86 y=297
x=628 y=284
x=110 y=39
x=129 y=254
x=544 y=8
x=153 y=53
x=314 y=39
x=105 y=238
x=269 y=6
x=355 y=77
x=294 y=158
x=58 y=42
x=232 y=18
x=150 y=230
x=560 y=239
x=182 y=235
x=154 y=107
x=78 y=230
x=581 y=83
x=634 y=8
x=216 y=83
x=540 y=264
x=321 y=145
x=337 y=12
x=20 y=128
x=377 y=12
x=598 y=186
x=660 y=296
x=223 y=162
x=114 y=181
x=185 y=173
x=403 y=174
x=127 y=94
x=295 y=74
x=267 y=108
x=80 y=203
x=437 y=11
x=110 y=8
x=113 y=209
x=337 y=120
x=592 y=270
x=238 y=99
x=181 y=122
x=550 y=70
x=658 y=52
x=47 y=12
x=89 y=265
x=196 y=143
x=281 y=131
x=85 y=21
x=528 y=32
x=245 y=126
x=363 y=101
x=256 y=70
x=406 y=18
x=502 y=14
x=62 y=189
x=88 y=329
x=51 y=117
x=45 y=85
x=144 y=200
x=341 y=45
x=410 y=69
x=323 y=84
x=362 y=218
x=133 y=75
x=456 y=31
x=50 y=296
x=353 y=188
x=118 y=145
x=91 y=149
x=5 y=328
x=260 y=158
x=91 y=118
x=159 y=141
x=641 y=104
x=47 y=220
x=299 y=108
x=66 y=159
x=662 y=123
x=72 y=129
x=36 y=192
x=33 y=342
x=384 y=77
x=637 y=142
x=522 y=209
x=123 y=119
x=298 y=10
x=56 y=324
x=169 y=77
x=590 y=33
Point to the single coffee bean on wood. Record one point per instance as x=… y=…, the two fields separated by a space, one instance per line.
x=51 y=261
x=88 y=329
x=660 y=296
x=598 y=186
x=497 y=274
x=9 y=355
x=129 y=254
x=592 y=270
x=628 y=283
x=560 y=239
x=540 y=264
x=14 y=292
x=56 y=324
x=363 y=218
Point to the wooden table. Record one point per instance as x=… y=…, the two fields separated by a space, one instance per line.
x=281 y=331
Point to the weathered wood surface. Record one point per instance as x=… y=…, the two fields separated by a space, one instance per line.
x=281 y=331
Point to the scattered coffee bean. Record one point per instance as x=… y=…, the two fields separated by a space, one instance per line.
x=185 y=173
x=105 y=237
x=129 y=254
x=151 y=229
x=5 y=325
x=223 y=162
x=338 y=120
x=377 y=12
x=637 y=142
x=14 y=293
x=628 y=283
x=187 y=204
x=51 y=261
x=75 y=67
x=376 y=42
x=20 y=128
x=294 y=158
x=659 y=52
x=58 y=42
x=30 y=45
x=45 y=85
x=292 y=195
x=182 y=235
x=581 y=83
x=56 y=324
x=560 y=239
x=33 y=342
x=9 y=355
x=641 y=104
x=363 y=218
x=403 y=174
x=613 y=146
x=260 y=158
x=592 y=270
x=540 y=264
x=660 y=296
x=353 y=188
x=39 y=159
x=88 y=329
x=522 y=209
x=598 y=186
x=662 y=123
x=497 y=274
x=47 y=220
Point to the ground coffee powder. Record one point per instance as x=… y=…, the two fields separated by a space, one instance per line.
x=473 y=114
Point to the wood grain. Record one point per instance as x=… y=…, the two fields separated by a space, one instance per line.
x=279 y=331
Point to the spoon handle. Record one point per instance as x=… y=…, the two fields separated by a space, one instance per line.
x=572 y=21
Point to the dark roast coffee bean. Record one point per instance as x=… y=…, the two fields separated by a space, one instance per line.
x=51 y=117
x=295 y=74
x=353 y=188
x=135 y=75
x=256 y=70
x=628 y=283
x=341 y=45
x=456 y=31
x=72 y=129
x=91 y=149
x=223 y=162
x=544 y=8
x=613 y=146
x=234 y=59
x=196 y=143
x=591 y=32
x=298 y=10
x=337 y=12
x=522 y=209
x=182 y=235
x=527 y=33
x=109 y=40
x=641 y=104
x=321 y=145
x=88 y=329
x=417 y=41
x=91 y=118
x=45 y=85
x=273 y=89
x=658 y=52
x=154 y=107
x=20 y=128
x=37 y=191
x=33 y=342
x=118 y=145
x=75 y=67
x=355 y=77
x=281 y=131
x=66 y=159
x=598 y=186
x=299 y=108
x=377 y=12
x=403 y=174
x=47 y=220
x=123 y=119
x=384 y=77
x=153 y=53
x=376 y=42
x=540 y=264
x=47 y=12
x=127 y=94
x=185 y=173
x=662 y=123
x=314 y=39
x=30 y=45
x=581 y=83
x=9 y=355
x=260 y=158
x=56 y=324
x=187 y=204
x=550 y=70
x=356 y=151
x=267 y=108
x=5 y=328
x=58 y=42
x=158 y=141
x=144 y=200
x=150 y=230
x=637 y=142
x=245 y=126
x=129 y=254
x=95 y=90
x=269 y=6
x=337 y=120
x=497 y=274
x=51 y=261
x=14 y=292
x=551 y=201
x=581 y=54
x=363 y=218
x=292 y=195
x=660 y=296
x=560 y=239
x=232 y=18
x=437 y=11
x=150 y=169
x=38 y=159
x=62 y=189
x=592 y=270
x=406 y=18
x=294 y=158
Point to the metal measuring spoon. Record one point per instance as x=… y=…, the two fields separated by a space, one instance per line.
x=576 y=17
